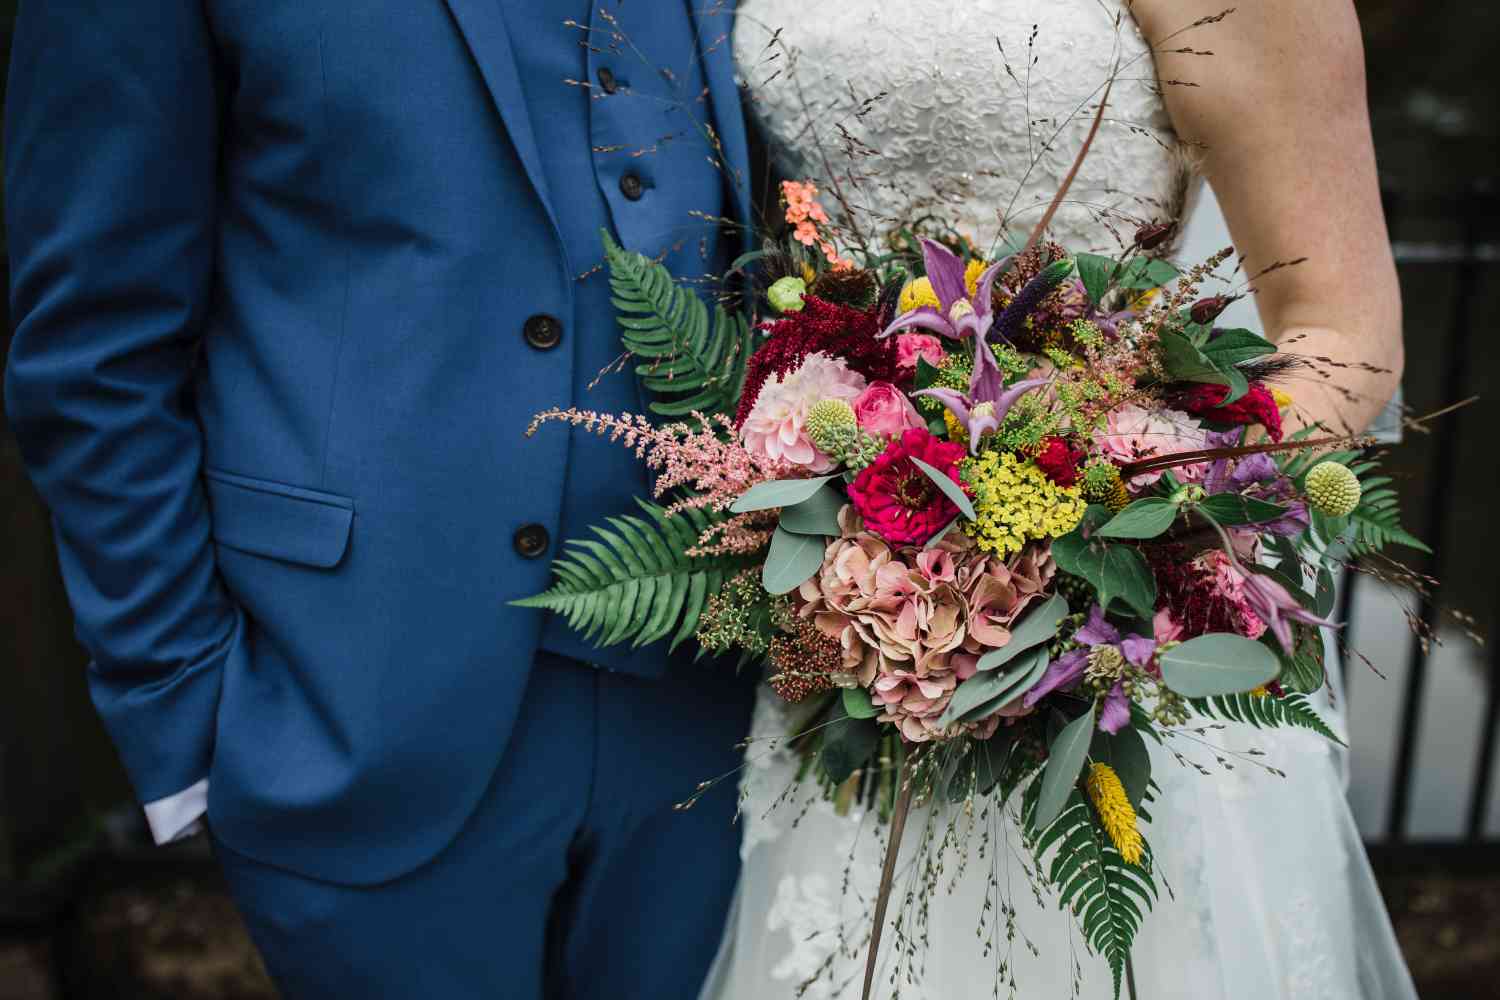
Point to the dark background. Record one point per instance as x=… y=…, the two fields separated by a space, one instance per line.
x=87 y=910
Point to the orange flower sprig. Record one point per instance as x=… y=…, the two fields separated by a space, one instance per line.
x=806 y=215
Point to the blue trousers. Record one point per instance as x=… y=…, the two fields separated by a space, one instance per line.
x=576 y=878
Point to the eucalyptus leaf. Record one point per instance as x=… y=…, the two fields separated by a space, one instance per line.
x=1116 y=572
x=1065 y=762
x=817 y=515
x=791 y=560
x=1232 y=508
x=858 y=705
x=1217 y=664
x=950 y=489
x=1038 y=626
x=992 y=757
x=778 y=493
x=941 y=534
x=1126 y=753
x=1145 y=518
x=1012 y=684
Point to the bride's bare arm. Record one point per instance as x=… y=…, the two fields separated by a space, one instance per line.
x=1281 y=113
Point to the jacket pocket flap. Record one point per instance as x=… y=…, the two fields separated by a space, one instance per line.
x=278 y=521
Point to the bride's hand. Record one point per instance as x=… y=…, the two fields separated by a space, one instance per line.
x=1280 y=112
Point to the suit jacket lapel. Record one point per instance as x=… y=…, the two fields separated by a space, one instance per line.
x=713 y=21
x=483 y=27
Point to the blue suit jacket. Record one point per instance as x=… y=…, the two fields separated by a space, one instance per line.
x=270 y=267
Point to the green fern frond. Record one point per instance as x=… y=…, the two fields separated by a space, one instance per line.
x=687 y=363
x=1265 y=712
x=634 y=582
x=1107 y=894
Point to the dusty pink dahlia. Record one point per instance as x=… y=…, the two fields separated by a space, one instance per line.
x=896 y=499
x=776 y=427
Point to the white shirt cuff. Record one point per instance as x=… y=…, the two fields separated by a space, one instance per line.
x=179 y=816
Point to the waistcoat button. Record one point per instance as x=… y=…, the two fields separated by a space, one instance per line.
x=543 y=332
x=531 y=541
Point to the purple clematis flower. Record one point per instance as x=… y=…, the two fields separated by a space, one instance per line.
x=984 y=406
x=1066 y=671
x=960 y=314
x=1257 y=476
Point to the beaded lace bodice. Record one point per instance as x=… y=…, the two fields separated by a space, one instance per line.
x=967 y=112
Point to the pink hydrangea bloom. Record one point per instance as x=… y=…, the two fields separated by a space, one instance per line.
x=776 y=426
x=912 y=624
x=884 y=410
x=1134 y=432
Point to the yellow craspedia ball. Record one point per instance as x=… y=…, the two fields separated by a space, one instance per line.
x=916 y=294
x=1282 y=399
x=1332 y=489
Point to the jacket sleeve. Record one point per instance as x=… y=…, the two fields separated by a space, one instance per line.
x=111 y=189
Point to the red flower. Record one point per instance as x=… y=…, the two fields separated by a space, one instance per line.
x=895 y=497
x=1257 y=406
x=1059 y=461
x=837 y=331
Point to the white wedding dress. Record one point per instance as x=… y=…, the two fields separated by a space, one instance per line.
x=1270 y=892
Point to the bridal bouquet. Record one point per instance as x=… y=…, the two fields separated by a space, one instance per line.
x=991 y=523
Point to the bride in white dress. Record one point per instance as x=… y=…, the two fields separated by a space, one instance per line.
x=981 y=108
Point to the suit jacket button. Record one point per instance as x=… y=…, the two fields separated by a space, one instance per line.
x=531 y=541
x=607 y=81
x=543 y=332
x=631 y=187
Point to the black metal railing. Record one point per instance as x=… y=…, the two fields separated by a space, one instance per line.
x=1471 y=258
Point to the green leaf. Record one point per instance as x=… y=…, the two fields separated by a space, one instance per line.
x=1146 y=518
x=1233 y=347
x=778 y=493
x=858 y=705
x=1116 y=572
x=1095 y=271
x=817 y=515
x=847 y=744
x=927 y=374
x=791 y=560
x=1064 y=763
x=1036 y=627
x=1324 y=593
x=1126 y=752
x=1187 y=363
x=1218 y=664
x=982 y=695
x=1265 y=712
x=1232 y=508
x=1145 y=273
x=632 y=581
x=950 y=489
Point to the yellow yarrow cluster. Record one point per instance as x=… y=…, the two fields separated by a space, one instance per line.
x=919 y=292
x=1017 y=503
x=1115 y=811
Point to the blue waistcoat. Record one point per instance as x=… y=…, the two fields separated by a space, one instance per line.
x=272 y=271
x=614 y=104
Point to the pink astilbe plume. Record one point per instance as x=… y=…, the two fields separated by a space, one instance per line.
x=706 y=457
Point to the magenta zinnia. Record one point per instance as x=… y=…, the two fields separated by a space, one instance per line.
x=896 y=499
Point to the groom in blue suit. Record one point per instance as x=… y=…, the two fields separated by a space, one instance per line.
x=290 y=279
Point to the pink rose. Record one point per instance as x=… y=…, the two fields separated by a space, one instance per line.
x=884 y=410
x=913 y=346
